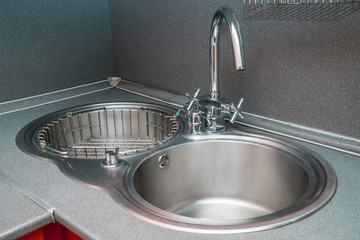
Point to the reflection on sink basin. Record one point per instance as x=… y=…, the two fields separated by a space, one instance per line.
x=223 y=180
x=239 y=184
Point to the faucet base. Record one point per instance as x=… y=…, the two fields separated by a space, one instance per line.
x=217 y=129
x=214 y=95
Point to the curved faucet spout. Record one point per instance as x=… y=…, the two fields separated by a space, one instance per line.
x=228 y=14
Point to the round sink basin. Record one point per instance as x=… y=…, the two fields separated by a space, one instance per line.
x=236 y=185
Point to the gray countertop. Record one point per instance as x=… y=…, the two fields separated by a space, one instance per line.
x=93 y=214
x=19 y=214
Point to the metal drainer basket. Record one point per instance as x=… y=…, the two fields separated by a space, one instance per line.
x=90 y=133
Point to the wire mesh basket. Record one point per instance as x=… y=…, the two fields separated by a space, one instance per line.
x=90 y=133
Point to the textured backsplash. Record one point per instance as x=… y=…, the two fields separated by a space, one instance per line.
x=297 y=69
x=50 y=45
x=304 y=72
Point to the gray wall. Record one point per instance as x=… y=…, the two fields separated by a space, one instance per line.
x=48 y=45
x=305 y=72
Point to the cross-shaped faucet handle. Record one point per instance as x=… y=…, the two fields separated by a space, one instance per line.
x=192 y=98
x=237 y=111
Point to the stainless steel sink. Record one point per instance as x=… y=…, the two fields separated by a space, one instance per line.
x=230 y=182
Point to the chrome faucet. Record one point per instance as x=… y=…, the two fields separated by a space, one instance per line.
x=228 y=14
x=211 y=107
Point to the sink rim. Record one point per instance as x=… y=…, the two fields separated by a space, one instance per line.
x=150 y=213
x=119 y=190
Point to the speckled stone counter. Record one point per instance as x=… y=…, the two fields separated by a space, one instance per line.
x=93 y=214
x=19 y=215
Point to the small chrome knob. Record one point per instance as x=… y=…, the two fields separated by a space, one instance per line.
x=237 y=111
x=111 y=160
x=195 y=122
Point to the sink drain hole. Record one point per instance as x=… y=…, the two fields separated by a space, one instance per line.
x=163 y=161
